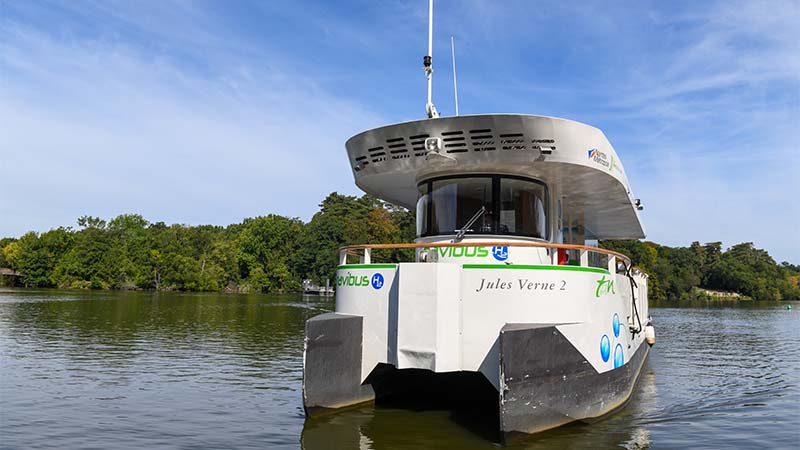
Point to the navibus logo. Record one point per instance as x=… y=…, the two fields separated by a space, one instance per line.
x=500 y=253
x=376 y=281
x=461 y=252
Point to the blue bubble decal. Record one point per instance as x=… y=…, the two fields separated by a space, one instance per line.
x=615 y=325
x=377 y=281
x=605 y=348
x=619 y=358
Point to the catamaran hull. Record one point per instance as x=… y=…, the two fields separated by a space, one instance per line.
x=332 y=364
x=545 y=344
x=545 y=381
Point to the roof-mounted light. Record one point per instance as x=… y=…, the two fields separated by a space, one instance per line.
x=433 y=145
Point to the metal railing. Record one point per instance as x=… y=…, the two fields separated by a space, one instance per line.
x=364 y=251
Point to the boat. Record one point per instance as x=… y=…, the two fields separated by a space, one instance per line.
x=309 y=288
x=508 y=302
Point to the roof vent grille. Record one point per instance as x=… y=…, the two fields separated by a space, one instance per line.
x=418 y=144
x=377 y=154
x=455 y=142
x=513 y=141
x=546 y=146
x=397 y=146
x=482 y=140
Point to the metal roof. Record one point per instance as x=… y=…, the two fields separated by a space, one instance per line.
x=573 y=159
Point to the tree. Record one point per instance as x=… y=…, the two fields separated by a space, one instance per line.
x=274 y=253
x=267 y=251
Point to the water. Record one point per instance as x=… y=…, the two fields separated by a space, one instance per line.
x=103 y=370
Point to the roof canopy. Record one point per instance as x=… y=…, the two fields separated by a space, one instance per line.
x=573 y=158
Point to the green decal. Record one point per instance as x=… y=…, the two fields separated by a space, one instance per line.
x=461 y=252
x=367 y=266
x=352 y=280
x=604 y=287
x=535 y=267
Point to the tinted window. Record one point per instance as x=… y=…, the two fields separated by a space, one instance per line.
x=455 y=201
x=522 y=208
x=512 y=206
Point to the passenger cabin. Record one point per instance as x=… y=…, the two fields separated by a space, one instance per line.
x=504 y=177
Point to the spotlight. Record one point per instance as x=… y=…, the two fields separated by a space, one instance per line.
x=433 y=144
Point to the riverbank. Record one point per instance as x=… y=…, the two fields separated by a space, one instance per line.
x=275 y=253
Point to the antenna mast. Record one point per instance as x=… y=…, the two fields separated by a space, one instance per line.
x=455 y=86
x=430 y=109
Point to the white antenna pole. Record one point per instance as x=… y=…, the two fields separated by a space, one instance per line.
x=430 y=109
x=455 y=85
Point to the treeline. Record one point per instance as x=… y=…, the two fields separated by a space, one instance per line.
x=262 y=254
x=676 y=273
x=275 y=253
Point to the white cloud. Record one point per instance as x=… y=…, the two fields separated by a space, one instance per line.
x=96 y=127
x=173 y=112
x=701 y=100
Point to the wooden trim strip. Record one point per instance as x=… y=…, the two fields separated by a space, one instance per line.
x=349 y=248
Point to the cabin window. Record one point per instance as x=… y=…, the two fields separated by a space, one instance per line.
x=422 y=209
x=455 y=201
x=522 y=208
x=512 y=206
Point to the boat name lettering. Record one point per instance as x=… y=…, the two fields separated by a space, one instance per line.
x=523 y=284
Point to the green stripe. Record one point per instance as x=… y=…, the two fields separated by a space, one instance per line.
x=527 y=267
x=367 y=266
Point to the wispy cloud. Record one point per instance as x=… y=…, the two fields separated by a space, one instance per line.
x=210 y=112
x=702 y=101
x=99 y=126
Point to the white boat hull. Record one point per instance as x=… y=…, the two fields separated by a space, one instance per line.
x=557 y=343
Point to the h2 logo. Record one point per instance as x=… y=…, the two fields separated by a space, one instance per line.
x=500 y=253
x=377 y=281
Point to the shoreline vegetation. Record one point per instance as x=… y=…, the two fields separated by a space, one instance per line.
x=274 y=254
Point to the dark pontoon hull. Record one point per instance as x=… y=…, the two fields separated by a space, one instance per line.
x=545 y=381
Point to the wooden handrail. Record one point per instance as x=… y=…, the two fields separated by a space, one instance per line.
x=349 y=248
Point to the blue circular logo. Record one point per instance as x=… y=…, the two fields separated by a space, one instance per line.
x=605 y=348
x=500 y=253
x=377 y=281
x=615 y=325
x=619 y=358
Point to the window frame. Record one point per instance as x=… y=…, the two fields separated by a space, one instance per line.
x=496 y=191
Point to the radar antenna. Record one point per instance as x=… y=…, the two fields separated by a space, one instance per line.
x=455 y=86
x=430 y=108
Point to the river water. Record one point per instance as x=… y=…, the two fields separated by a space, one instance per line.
x=116 y=370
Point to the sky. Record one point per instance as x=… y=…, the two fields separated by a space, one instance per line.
x=204 y=112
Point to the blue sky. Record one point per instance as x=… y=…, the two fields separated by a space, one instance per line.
x=208 y=112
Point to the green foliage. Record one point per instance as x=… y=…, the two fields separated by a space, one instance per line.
x=274 y=254
x=676 y=273
x=262 y=254
x=345 y=220
x=7 y=257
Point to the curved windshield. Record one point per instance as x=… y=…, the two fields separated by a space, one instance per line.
x=513 y=206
